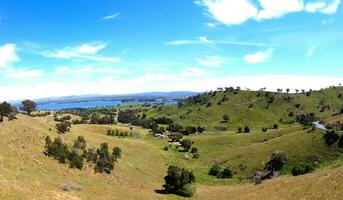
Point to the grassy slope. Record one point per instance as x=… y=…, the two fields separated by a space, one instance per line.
x=25 y=173
x=237 y=107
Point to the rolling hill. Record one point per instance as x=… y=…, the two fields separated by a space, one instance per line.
x=256 y=109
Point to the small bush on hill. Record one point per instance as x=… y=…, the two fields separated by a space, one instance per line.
x=215 y=170
x=302 y=168
x=63 y=127
x=186 y=144
x=330 y=137
x=226 y=173
x=246 y=129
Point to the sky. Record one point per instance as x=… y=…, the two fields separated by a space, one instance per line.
x=51 y=48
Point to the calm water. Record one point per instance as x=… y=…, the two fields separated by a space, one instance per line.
x=93 y=104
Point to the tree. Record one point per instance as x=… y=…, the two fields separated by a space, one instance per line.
x=246 y=129
x=277 y=161
x=330 y=137
x=275 y=126
x=186 y=144
x=226 y=118
x=28 y=106
x=302 y=168
x=104 y=162
x=179 y=181
x=76 y=160
x=116 y=153
x=194 y=150
x=63 y=127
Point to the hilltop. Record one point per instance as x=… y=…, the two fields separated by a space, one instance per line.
x=256 y=109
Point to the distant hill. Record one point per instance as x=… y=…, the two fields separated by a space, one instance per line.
x=256 y=109
x=128 y=97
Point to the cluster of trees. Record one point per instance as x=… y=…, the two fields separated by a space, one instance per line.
x=6 y=110
x=118 y=133
x=62 y=119
x=102 y=159
x=306 y=119
x=302 y=168
x=217 y=171
x=246 y=129
x=93 y=115
x=179 y=181
x=107 y=119
x=60 y=151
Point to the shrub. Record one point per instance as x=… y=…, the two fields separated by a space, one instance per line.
x=275 y=126
x=226 y=118
x=340 y=142
x=330 y=137
x=215 y=170
x=186 y=144
x=165 y=148
x=104 y=162
x=239 y=130
x=57 y=149
x=194 y=150
x=116 y=153
x=196 y=156
x=302 y=168
x=246 y=129
x=277 y=161
x=179 y=181
x=264 y=129
x=63 y=127
x=76 y=160
x=226 y=173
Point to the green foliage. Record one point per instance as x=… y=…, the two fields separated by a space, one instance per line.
x=76 y=160
x=226 y=173
x=215 y=170
x=179 y=181
x=277 y=161
x=194 y=150
x=116 y=153
x=28 y=106
x=56 y=149
x=104 y=162
x=63 y=127
x=246 y=129
x=196 y=156
x=186 y=144
x=226 y=118
x=330 y=137
x=302 y=168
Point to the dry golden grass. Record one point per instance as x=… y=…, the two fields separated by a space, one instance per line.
x=26 y=173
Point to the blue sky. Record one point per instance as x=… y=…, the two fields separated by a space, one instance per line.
x=58 y=48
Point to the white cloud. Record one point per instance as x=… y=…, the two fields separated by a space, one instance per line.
x=83 y=52
x=89 y=69
x=113 y=16
x=192 y=72
x=325 y=7
x=234 y=12
x=210 y=61
x=21 y=74
x=230 y=12
x=259 y=56
x=277 y=8
x=203 y=40
x=310 y=50
x=8 y=55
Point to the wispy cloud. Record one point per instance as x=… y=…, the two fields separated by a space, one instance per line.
x=210 y=61
x=205 y=41
x=8 y=54
x=192 y=72
x=233 y=12
x=259 y=56
x=21 y=74
x=83 y=52
x=112 y=16
x=310 y=50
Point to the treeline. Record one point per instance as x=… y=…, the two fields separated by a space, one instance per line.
x=132 y=117
x=77 y=154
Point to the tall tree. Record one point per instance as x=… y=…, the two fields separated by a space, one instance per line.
x=28 y=106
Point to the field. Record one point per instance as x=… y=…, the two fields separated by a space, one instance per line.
x=26 y=173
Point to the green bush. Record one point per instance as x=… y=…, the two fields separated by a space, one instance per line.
x=226 y=173
x=331 y=137
x=76 y=160
x=215 y=170
x=194 y=150
x=179 y=181
x=196 y=156
x=302 y=168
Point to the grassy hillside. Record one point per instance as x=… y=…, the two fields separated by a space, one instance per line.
x=251 y=108
x=26 y=173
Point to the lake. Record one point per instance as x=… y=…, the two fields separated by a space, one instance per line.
x=93 y=104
